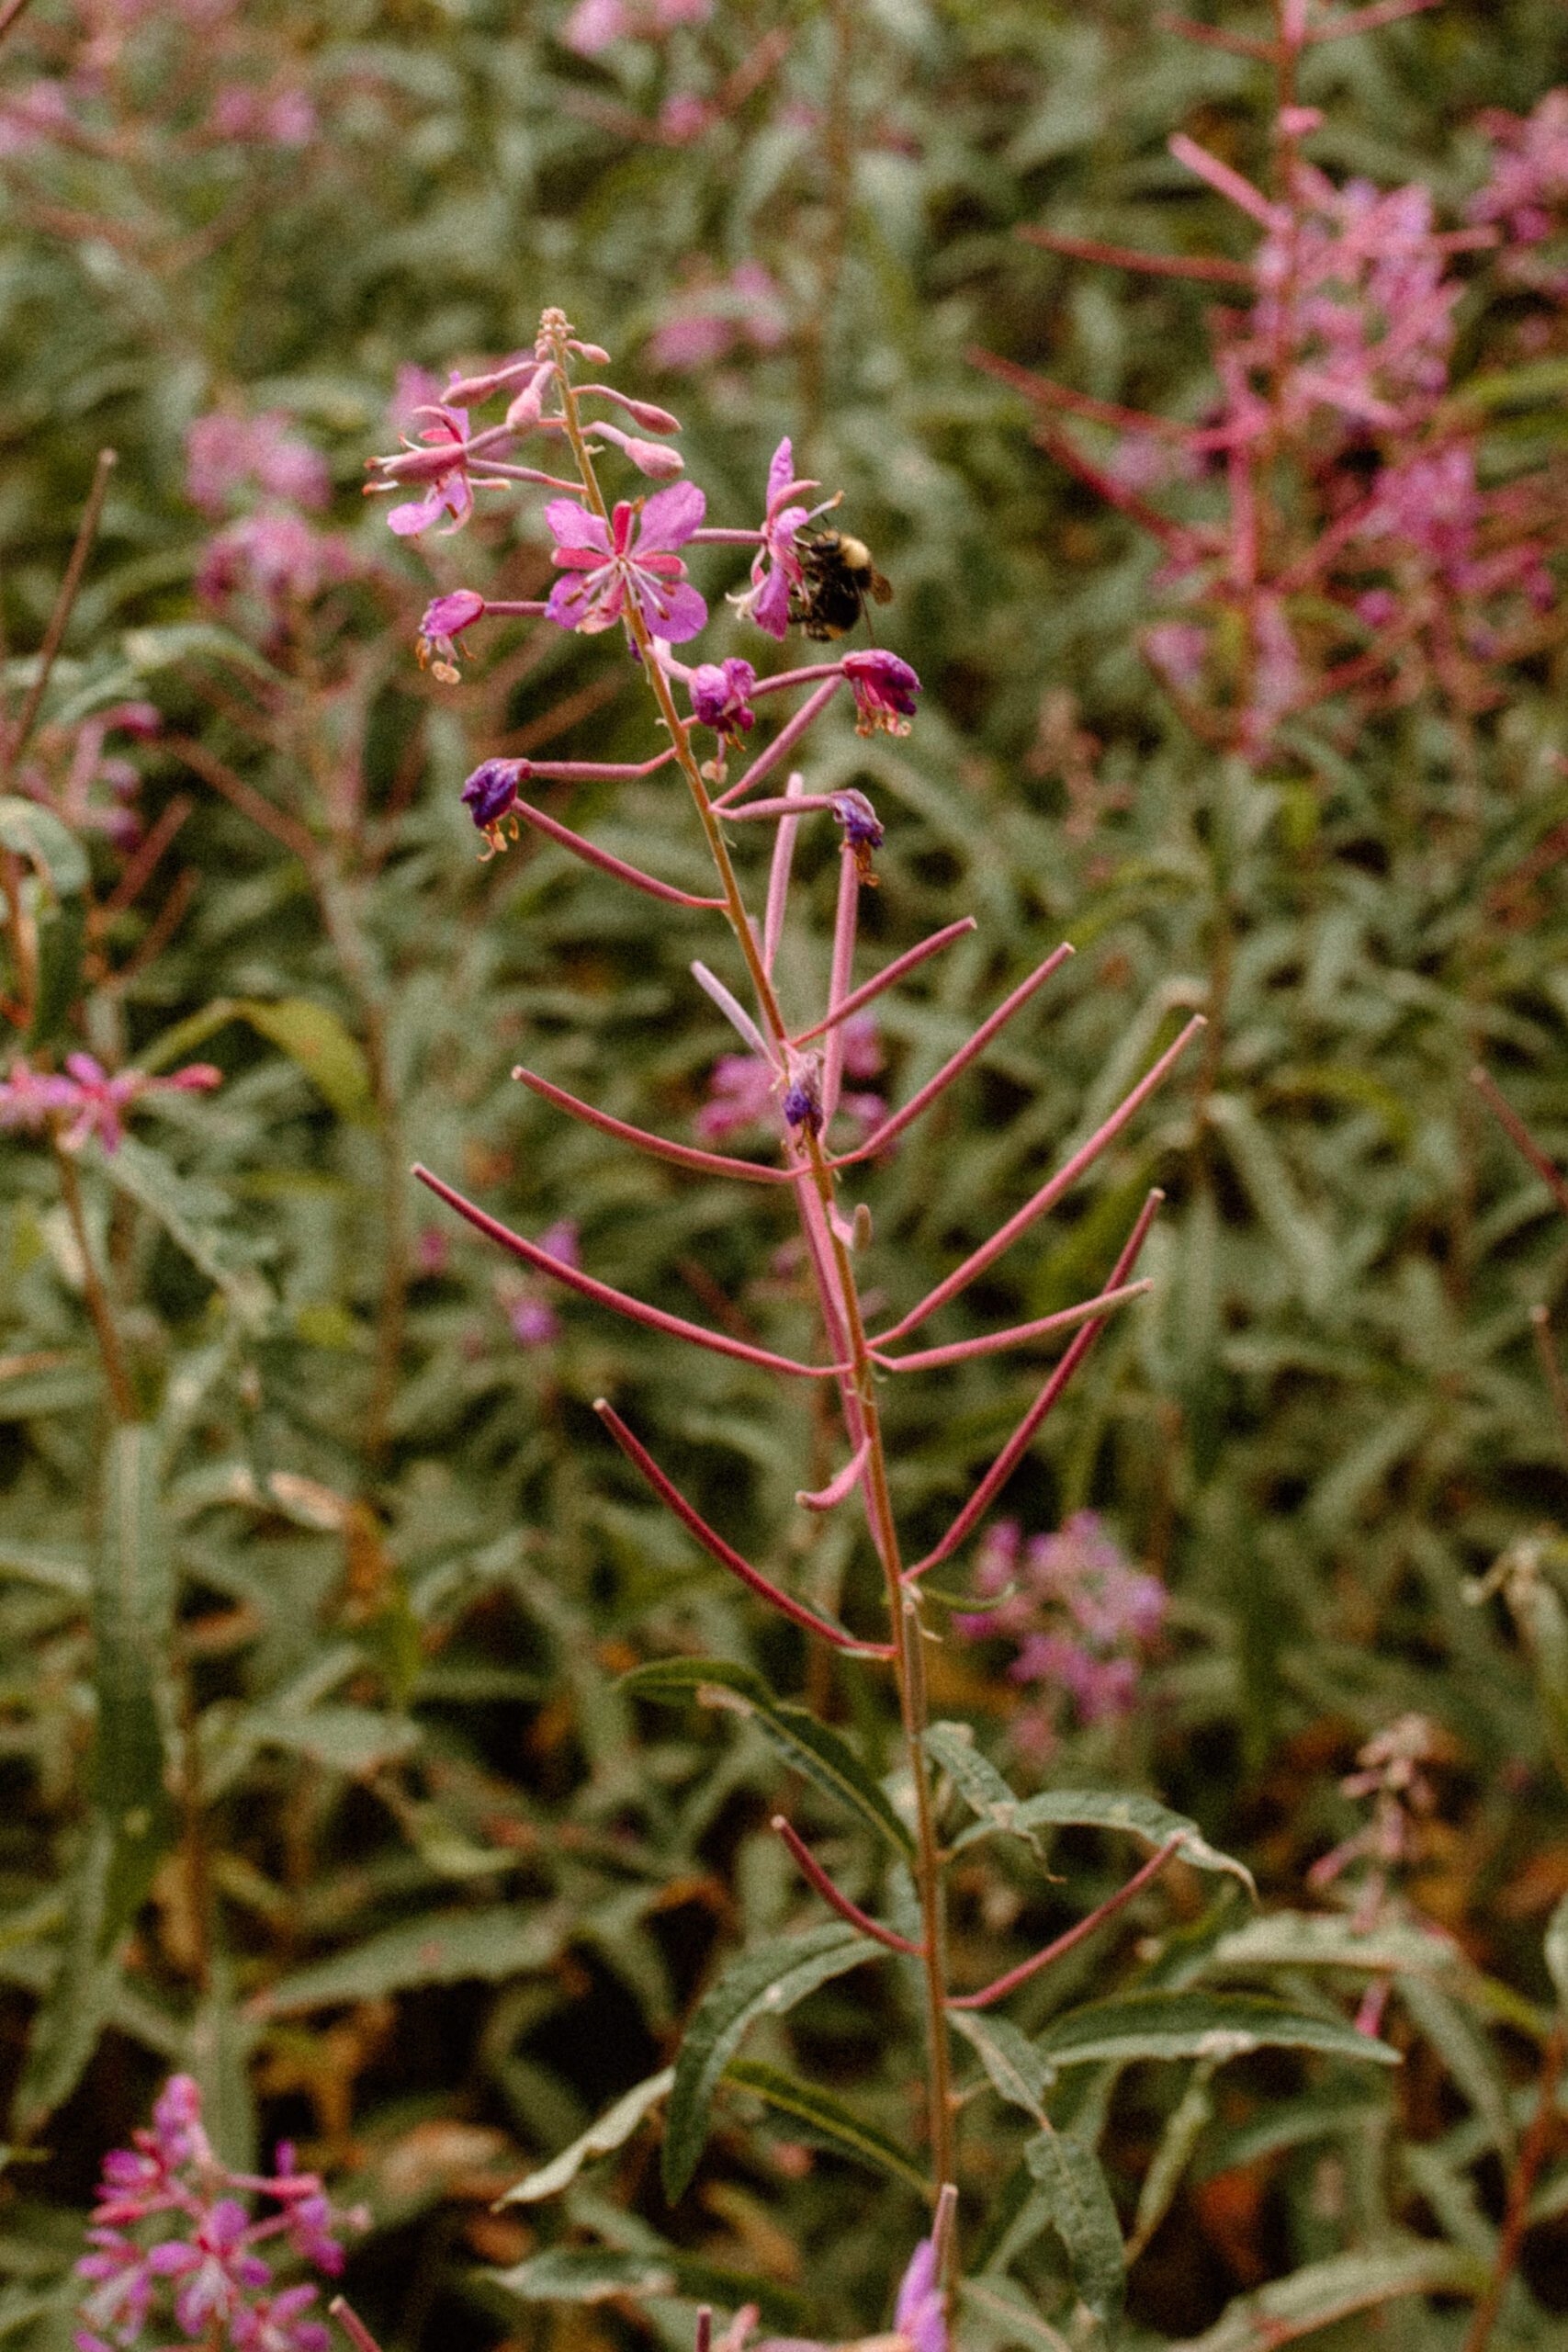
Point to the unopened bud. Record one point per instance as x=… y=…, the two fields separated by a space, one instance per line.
x=527 y=408
x=600 y=358
x=659 y=465
x=646 y=414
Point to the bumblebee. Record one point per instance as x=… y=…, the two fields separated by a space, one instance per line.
x=838 y=575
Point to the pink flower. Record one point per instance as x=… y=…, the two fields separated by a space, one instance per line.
x=1079 y=1613
x=215 y=2267
x=446 y=619
x=533 y=1319
x=775 y=569
x=920 y=2316
x=719 y=695
x=278 y=558
x=443 y=465
x=594 y=24
x=884 y=690
x=277 y=2323
x=88 y=1099
x=226 y=455
x=628 y=561
x=740 y=1092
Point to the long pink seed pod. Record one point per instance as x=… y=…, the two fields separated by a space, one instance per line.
x=1007 y=1461
x=682 y=1155
x=726 y=1554
x=1049 y=1193
x=620 y=1301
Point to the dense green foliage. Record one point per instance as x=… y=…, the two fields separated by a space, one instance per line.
x=337 y=1618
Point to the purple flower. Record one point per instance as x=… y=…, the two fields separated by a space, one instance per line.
x=630 y=560
x=216 y=2268
x=884 y=690
x=446 y=619
x=533 y=1319
x=862 y=827
x=491 y=791
x=123 y=2289
x=920 y=2313
x=277 y=2323
x=719 y=695
x=775 y=569
x=802 y=1101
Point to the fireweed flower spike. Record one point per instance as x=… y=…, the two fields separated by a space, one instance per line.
x=207 y=2264
x=88 y=1101
x=622 y=564
x=628 y=561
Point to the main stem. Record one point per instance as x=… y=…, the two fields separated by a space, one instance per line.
x=903 y=1608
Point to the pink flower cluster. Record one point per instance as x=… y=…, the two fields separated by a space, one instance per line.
x=270 y=556
x=709 y=319
x=85 y=1101
x=1079 y=1613
x=744 y=1090
x=221 y=2287
x=1360 y=554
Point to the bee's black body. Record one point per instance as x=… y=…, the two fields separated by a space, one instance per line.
x=837 y=577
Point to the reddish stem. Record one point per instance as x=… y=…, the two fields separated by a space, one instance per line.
x=1208 y=268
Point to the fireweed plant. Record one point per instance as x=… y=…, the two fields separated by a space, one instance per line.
x=621 y=569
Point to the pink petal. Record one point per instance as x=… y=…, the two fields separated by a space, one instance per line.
x=573 y=526
x=670 y=517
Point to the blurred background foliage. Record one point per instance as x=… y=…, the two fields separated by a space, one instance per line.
x=434 y=1891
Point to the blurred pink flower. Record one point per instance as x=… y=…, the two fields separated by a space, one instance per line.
x=229 y=456
x=88 y=1102
x=533 y=1319
x=1079 y=1613
x=442 y=465
x=748 y=306
x=276 y=557
x=594 y=24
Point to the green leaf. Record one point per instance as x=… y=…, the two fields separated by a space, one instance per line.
x=1198 y=2025
x=1557 y=1953
x=827 y=2118
x=55 y=1571
x=132 y=1619
x=759 y=1984
x=312 y=1037
x=76 y=2007
x=441 y=1949
x=348 y=1739
x=1326 y=2291
x=1009 y=2058
x=952 y=1748
x=1006 y=2315
x=317 y=1041
x=590 y=2274
x=822 y=1755
x=36 y=833
x=189 y=1215
x=1332 y=1940
x=614 y=2129
x=1083 y=2217
x=62 y=944
x=1467 y=2054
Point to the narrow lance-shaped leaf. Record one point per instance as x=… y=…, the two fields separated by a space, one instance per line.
x=591 y=2273
x=1198 y=2025
x=1004 y=2312
x=132 y=1611
x=821 y=1754
x=829 y=2119
x=612 y=2129
x=760 y=1983
x=1325 y=2291
x=1557 y=1953
x=1016 y=2068
x=952 y=1748
x=1083 y=2217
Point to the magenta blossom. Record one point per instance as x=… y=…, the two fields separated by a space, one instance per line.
x=88 y=1101
x=719 y=691
x=532 y=1317
x=630 y=560
x=884 y=690
x=210 y=2265
x=775 y=569
x=920 y=2316
x=1080 y=1614
x=441 y=631
x=228 y=455
x=443 y=464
